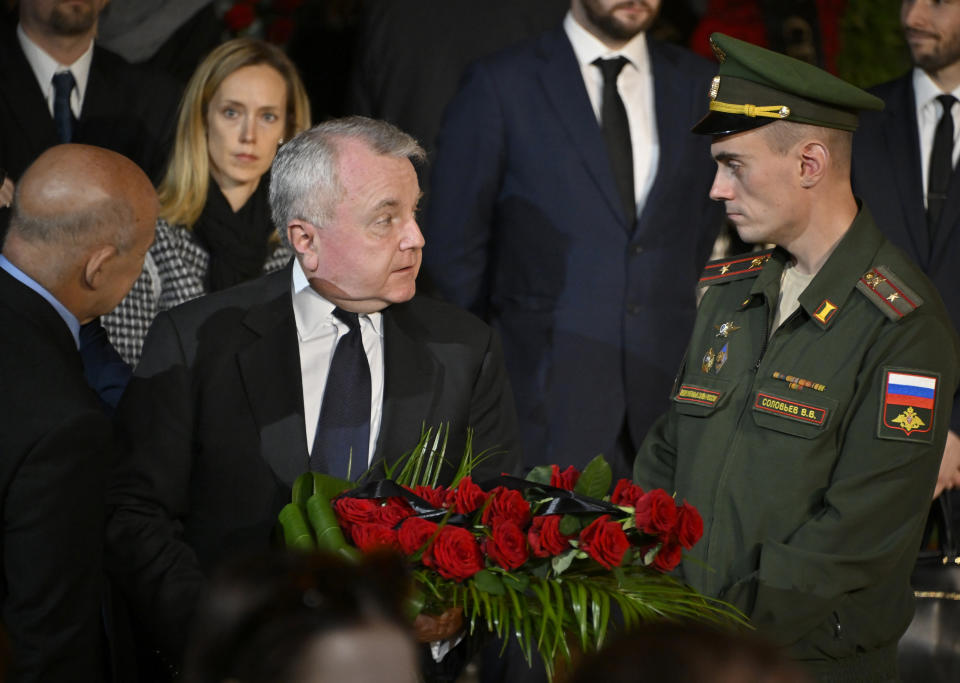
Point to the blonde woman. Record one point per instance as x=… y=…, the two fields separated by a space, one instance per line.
x=214 y=230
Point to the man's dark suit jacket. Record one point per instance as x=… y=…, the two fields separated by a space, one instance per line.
x=54 y=445
x=213 y=426
x=125 y=109
x=888 y=176
x=525 y=228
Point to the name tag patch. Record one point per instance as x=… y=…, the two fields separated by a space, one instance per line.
x=908 y=404
x=698 y=395
x=788 y=408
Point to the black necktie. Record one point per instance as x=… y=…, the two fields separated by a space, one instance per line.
x=344 y=424
x=63 y=85
x=941 y=165
x=616 y=133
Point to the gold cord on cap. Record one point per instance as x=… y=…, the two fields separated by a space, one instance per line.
x=775 y=111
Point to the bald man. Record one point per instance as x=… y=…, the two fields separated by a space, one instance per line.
x=82 y=221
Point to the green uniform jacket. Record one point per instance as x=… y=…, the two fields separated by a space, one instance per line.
x=813 y=489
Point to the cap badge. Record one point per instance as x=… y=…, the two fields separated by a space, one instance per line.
x=714 y=87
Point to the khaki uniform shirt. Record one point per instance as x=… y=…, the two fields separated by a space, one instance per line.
x=812 y=452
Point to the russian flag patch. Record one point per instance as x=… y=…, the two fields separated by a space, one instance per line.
x=907 y=409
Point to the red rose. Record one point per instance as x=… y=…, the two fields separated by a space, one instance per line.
x=456 y=554
x=239 y=17
x=604 y=541
x=507 y=504
x=394 y=511
x=564 y=480
x=369 y=537
x=545 y=538
x=352 y=511
x=656 y=513
x=435 y=495
x=507 y=546
x=668 y=557
x=414 y=534
x=626 y=493
x=689 y=527
x=280 y=30
x=467 y=498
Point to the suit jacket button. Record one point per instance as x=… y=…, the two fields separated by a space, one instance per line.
x=636 y=249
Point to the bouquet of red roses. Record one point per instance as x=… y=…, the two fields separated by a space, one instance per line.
x=542 y=558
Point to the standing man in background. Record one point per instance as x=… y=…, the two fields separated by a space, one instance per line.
x=904 y=167
x=83 y=219
x=568 y=207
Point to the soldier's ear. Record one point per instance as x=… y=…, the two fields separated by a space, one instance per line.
x=814 y=158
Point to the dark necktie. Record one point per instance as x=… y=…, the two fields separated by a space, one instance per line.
x=103 y=368
x=941 y=165
x=616 y=133
x=344 y=424
x=63 y=85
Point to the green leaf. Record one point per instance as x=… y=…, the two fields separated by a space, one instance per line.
x=488 y=582
x=296 y=531
x=652 y=553
x=595 y=479
x=328 y=532
x=570 y=525
x=540 y=474
x=302 y=489
x=562 y=562
x=329 y=486
x=516 y=582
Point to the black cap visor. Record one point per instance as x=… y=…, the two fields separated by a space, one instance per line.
x=718 y=123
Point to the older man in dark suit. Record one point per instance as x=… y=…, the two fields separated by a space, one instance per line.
x=568 y=207
x=82 y=222
x=331 y=364
x=57 y=86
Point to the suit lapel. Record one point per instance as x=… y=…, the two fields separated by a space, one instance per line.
x=902 y=141
x=563 y=83
x=25 y=98
x=270 y=371
x=670 y=89
x=412 y=377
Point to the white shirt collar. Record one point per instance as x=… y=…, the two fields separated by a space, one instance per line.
x=925 y=91
x=44 y=67
x=313 y=313
x=587 y=47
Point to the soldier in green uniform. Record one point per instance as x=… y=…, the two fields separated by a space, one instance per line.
x=810 y=413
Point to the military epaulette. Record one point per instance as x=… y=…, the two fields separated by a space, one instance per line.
x=736 y=268
x=890 y=295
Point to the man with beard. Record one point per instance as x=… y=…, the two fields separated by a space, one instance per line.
x=904 y=161
x=569 y=209
x=57 y=86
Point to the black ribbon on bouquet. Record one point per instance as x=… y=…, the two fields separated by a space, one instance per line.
x=563 y=502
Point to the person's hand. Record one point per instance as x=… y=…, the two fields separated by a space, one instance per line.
x=949 y=477
x=429 y=628
x=6 y=189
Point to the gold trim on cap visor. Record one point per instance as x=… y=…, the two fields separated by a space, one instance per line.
x=775 y=111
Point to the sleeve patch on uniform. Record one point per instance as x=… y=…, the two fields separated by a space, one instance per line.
x=908 y=405
x=691 y=394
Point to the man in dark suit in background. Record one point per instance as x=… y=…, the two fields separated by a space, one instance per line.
x=57 y=86
x=82 y=222
x=904 y=168
x=238 y=393
x=574 y=217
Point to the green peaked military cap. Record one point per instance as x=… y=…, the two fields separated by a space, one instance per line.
x=756 y=86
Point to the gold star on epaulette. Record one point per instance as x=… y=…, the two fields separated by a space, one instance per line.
x=893 y=297
x=725 y=269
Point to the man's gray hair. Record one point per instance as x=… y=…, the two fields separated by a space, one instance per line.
x=110 y=219
x=305 y=180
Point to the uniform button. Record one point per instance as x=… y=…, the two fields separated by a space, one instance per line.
x=633 y=309
x=636 y=249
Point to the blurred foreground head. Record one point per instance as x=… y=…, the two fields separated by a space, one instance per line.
x=687 y=653
x=287 y=617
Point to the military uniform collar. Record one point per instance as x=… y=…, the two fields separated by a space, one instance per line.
x=826 y=296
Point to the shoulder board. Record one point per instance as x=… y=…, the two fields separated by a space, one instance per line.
x=736 y=268
x=888 y=292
